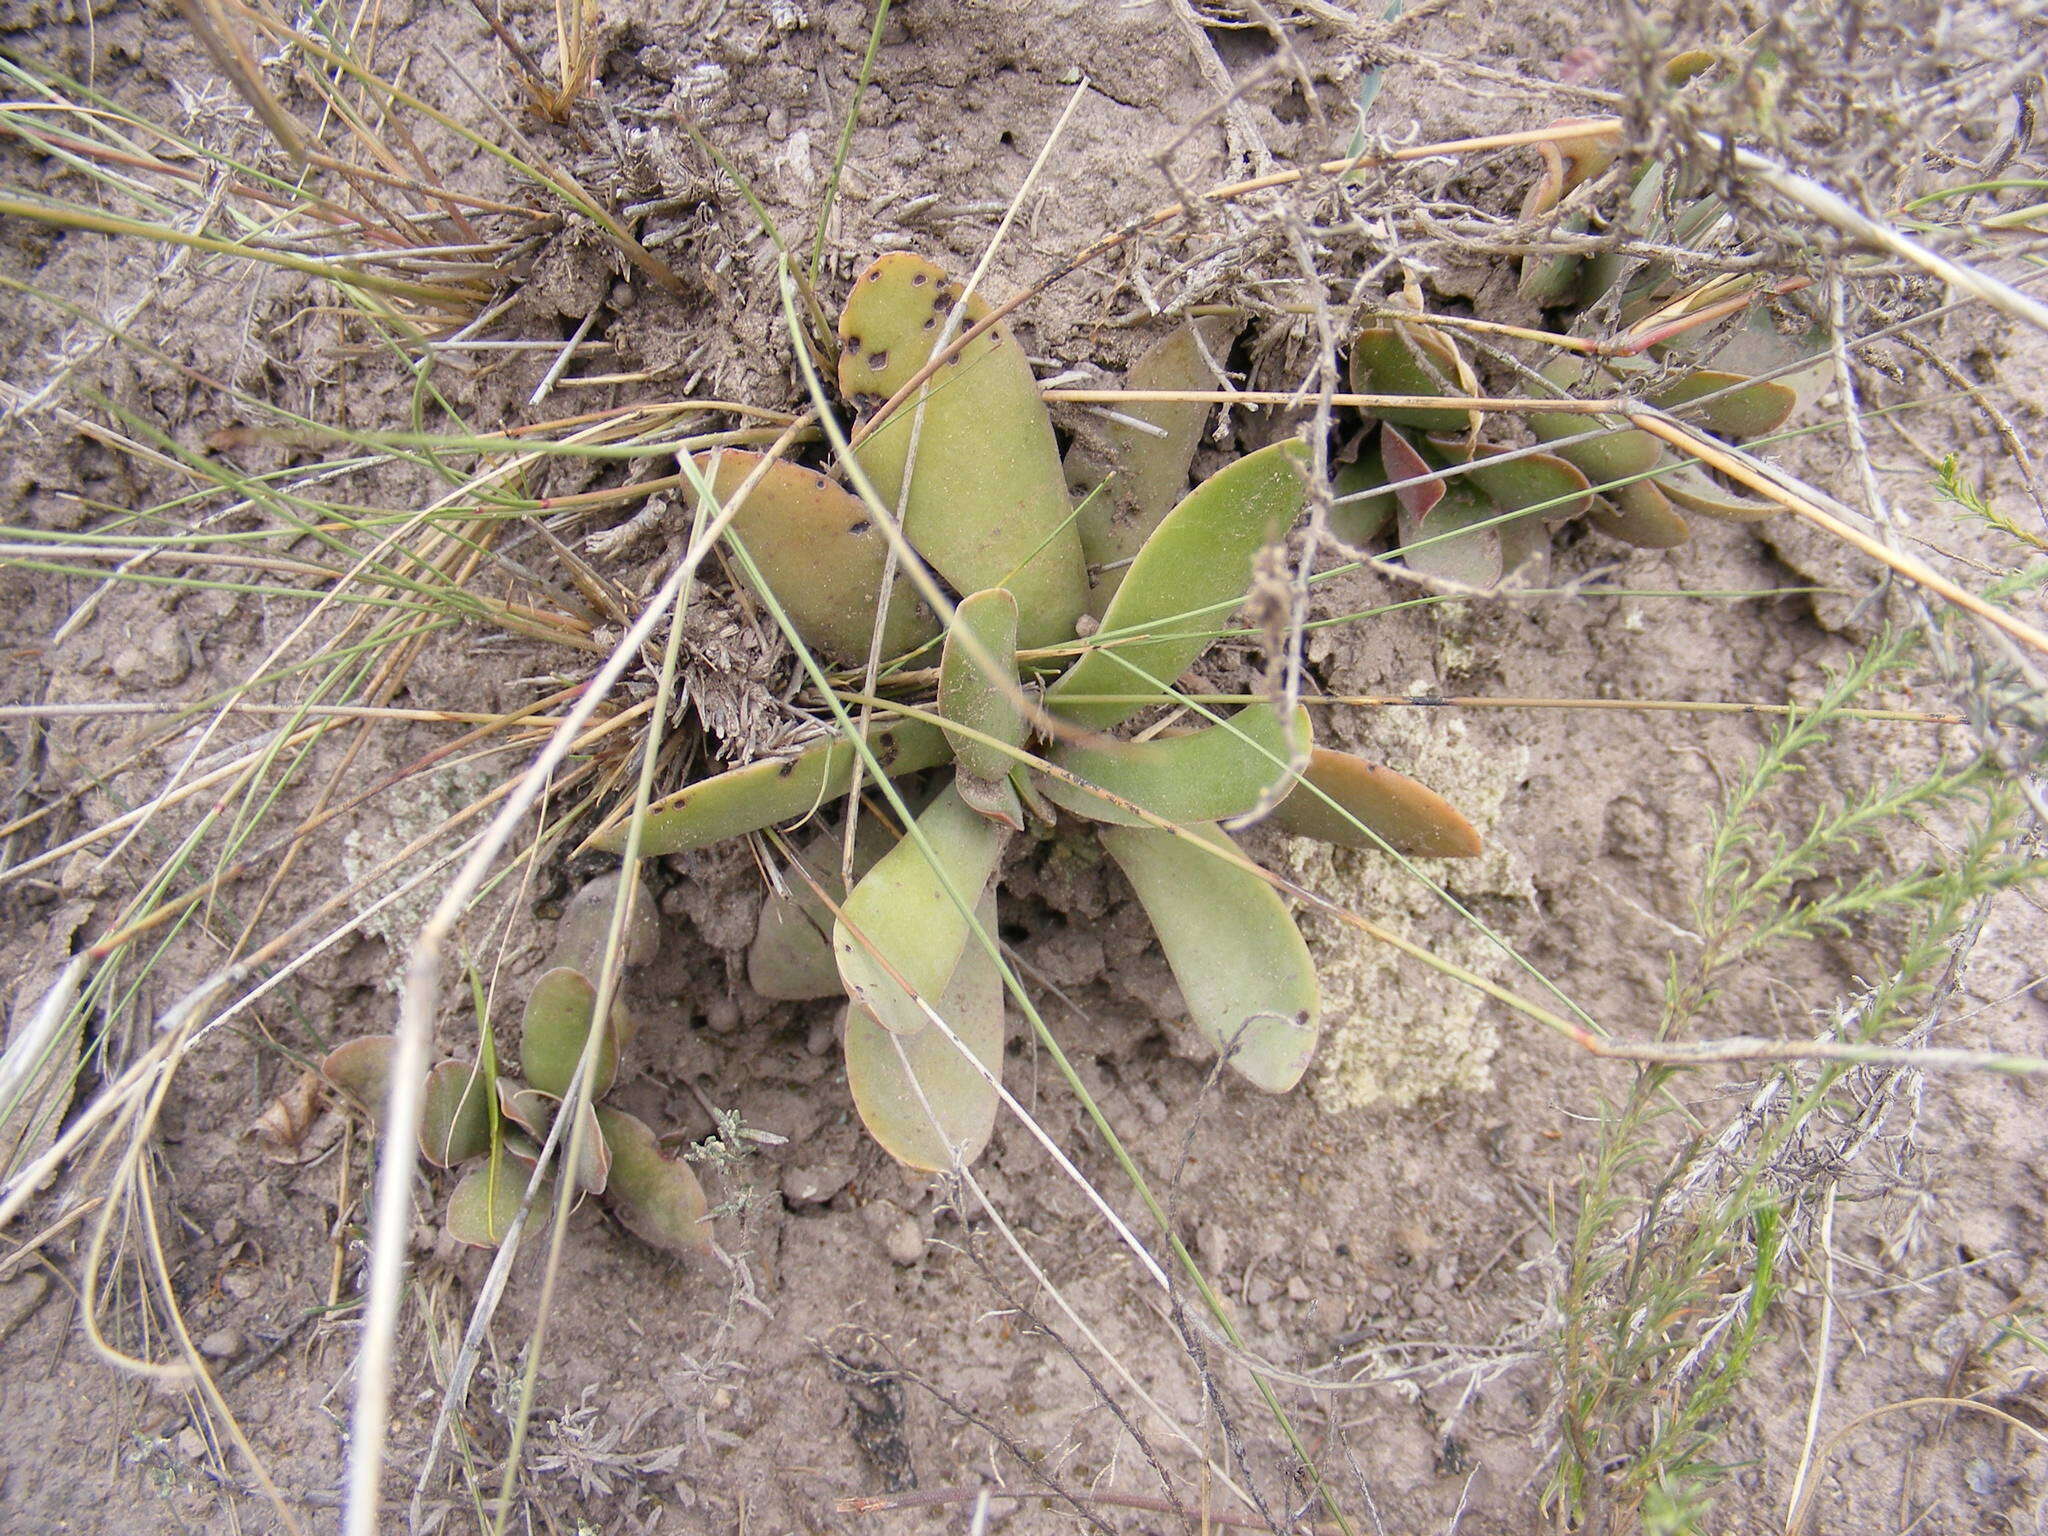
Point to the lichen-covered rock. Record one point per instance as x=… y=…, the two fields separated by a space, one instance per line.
x=1394 y=1032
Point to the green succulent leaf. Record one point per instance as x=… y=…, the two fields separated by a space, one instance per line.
x=1639 y=514
x=909 y=923
x=1363 y=507
x=1621 y=453
x=981 y=700
x=1698 y=490
x=1411 y=818
x=773 y=790
x=534 y=1112
x=556 y=1023
x=1200 y=557
x=455 y=1114
x=1453 y=540
x=1544 y=480
x=657 y=1198
x=988 y=497
x=818 y=550
x=481 y=1209
x=1244 y=972
x=584 y=933
x=1213 y=774
x=917 y=1095
x=791 y=957
x=362 y=1070
x=1412 y=360
x=997 y=799
x=1146 y=474
x=1745 y=409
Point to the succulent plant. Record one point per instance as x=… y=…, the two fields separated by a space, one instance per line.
x=492 y=1125
x=1013 y=731
x=1469 y=510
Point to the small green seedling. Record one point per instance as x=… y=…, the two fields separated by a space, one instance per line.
x=493 y=1125
x=1020 y=735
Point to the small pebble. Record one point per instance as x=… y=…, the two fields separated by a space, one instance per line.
x=815 y=1183
x=905 y=1242
x=1259 y=1292
x=227 y=1229
x=191 y=1444
x=242 y=1284
x=722 y=1016
x=1297 y=1289
x=221 y=1344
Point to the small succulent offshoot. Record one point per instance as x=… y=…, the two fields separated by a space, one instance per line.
x=493 y=1125
x=1470 y=510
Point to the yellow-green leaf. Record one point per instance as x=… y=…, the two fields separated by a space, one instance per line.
x=481 y=1209
x=656 y=1197
x=1212 y=774
x=556 y=1023
x=1147 y=473
x=982 y=700
x=901 y=919
x=988 y=498
x=776 y=789
x=1199 y=558
x=1639 y=514
x=928 y=1102
x=1244 y=972
x=455 y=1114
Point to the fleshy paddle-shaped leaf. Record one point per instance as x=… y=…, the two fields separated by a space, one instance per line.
x=1458 y=539
x=988 y=499
x=556 y=1023
x=903 y=912
x=1244 y=972
x=585 y=930
x=1697 y=490
x=1413 y=819
x=362 y=1070
x=1412 y=360
x=1147 y=474
x=930 y=1099
x=481 y=1209
x=1547 y=482
x=656 y=1197
x=773 y=790
x=819 y=551
x=1728 y=403
x=1639 y=514
x=1620 y=452
x=791 y=957
x=1199 y=558
x=534 y=1112
x=1363 y=506
x=455 y=1114
x=978 y=699
x=1212 y=774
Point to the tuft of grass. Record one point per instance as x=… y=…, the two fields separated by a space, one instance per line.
x=1689 y=1232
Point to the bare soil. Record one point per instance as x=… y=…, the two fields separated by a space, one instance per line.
x=1406 y=1215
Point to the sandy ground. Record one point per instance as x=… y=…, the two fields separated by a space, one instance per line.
x=1397 y=1232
